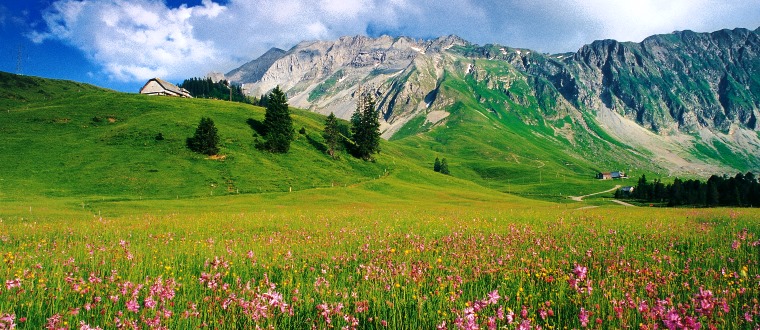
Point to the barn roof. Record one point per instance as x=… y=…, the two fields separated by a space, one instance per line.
x=168 y=87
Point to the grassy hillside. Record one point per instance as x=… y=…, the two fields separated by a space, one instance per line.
x=504 y=136
x=65 y=139
x=103 y=143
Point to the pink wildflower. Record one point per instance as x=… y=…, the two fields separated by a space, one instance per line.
x=149 y=303
x=510 y=317
x=15 y=283
x=133 y=306
x=673 y=320
x=54 y=322
x=84 y=326
x=704 y=302
x=493 y=297
x=8 y=321
x=580 y=272
x=583 y=317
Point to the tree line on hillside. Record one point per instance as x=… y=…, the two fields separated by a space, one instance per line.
x=741 y=190
x=208 y=89
x=362 y=139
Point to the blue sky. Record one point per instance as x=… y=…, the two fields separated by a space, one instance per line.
x=120 y=44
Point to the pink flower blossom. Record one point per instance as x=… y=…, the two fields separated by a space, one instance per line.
x=133 y=306
x=673 y=320
x=493 y=297
x=8 y=321
x=149 y=303
x=583 y=317
x=580 y=272
x=84 y=326
x=14 y=283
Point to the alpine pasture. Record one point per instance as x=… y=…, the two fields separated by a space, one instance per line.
x=103 y=226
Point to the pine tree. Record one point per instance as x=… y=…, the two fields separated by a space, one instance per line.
x=713 y=195
x=365 y=128
x=205 y=139
x=444 y=167
x=331 y=134
x=278 y=125
x=437 y=165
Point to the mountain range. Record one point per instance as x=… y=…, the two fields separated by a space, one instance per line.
x=683 y=102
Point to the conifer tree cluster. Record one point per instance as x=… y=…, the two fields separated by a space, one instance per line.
x=278 y=126
x=205 y=139
x=740 y=190
x=208 y=89
x=365 y=128
x=441 y=166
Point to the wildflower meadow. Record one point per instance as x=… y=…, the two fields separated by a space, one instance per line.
x=357 y=268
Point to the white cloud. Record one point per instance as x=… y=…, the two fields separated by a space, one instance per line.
x=345 y=8
x=134 y=40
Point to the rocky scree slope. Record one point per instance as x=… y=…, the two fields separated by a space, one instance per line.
x=688 y=99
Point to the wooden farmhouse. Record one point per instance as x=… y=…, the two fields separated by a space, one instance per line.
x=611 y=175
x=158 y=86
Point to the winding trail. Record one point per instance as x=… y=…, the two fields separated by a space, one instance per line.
x=580 y=198
x=623 y=203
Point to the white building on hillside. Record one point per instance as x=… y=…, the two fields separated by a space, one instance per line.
x=158 y=86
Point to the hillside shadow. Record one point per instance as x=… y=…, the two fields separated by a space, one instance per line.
x=256 y=126
x=317 y=145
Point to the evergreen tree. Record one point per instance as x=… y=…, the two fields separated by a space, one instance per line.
x=444 y=167
x=437 y=165
x=278 y=125
x=365 y=128
x=205 y=139
x=712 y=195
x=642 y=188
x=676 y=193
x=331 y=134
x=207 y=88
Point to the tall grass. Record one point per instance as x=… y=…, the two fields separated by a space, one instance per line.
x=376 y=267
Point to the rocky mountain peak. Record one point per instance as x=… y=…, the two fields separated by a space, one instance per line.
x=254 y=70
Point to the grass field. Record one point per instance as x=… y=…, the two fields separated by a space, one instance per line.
x=103 y=226
x=454 y=261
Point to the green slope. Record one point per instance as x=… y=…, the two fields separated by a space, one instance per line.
x=505 y=136
x=98 y=142
x=92 y=146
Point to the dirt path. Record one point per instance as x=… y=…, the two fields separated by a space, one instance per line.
x=623 y=203
x=580 y=198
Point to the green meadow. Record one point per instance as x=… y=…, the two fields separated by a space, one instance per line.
x=104 y=226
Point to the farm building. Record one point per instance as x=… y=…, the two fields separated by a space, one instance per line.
x=158 y=86
x=611 y=175
x=627 y=190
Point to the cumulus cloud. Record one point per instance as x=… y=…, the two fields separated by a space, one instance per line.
x=137 y=39
x=133 y=40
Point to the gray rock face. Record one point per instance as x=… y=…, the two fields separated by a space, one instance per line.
x=254 y=70
x=683 y=86
x=682 y=81
x=324 y=76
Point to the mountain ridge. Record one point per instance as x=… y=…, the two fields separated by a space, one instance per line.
x=682 y=96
